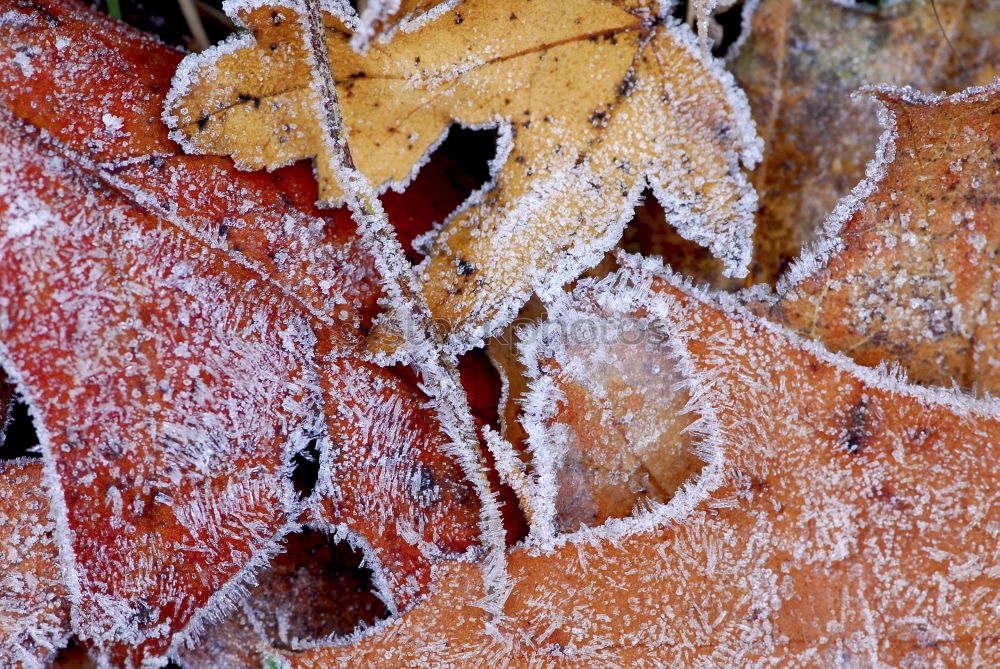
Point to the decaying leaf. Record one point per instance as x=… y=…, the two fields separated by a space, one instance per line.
x=908 y=270
x=844 y=517
x=34 y=606
x=415 y=506
x=799 y=67
x=161 y=311
x=649 y=111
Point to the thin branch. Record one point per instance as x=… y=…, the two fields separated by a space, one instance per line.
x=198 y=34
x=425 y=336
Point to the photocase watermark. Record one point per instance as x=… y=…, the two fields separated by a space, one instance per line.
x=581 y=329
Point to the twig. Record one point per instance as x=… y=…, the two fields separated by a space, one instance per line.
x=425 y=337
x=199 y=38
x=215 y=14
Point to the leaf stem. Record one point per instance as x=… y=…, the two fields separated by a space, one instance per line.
x=425 y=341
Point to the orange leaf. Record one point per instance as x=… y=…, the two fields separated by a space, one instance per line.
x=843 y=516
x=34 y=606
x=907 y=269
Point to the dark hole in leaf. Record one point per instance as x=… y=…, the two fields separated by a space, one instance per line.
x=305 y=470
x=19 y=439
x=457 y=167
x=315 y=588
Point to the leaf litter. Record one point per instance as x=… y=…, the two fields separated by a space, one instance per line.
x=651 y=110
x=800 y=65
x=841 y=515
x=906 y=269
x=164 y=196
x=777 y=465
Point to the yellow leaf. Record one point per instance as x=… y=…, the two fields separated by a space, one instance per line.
x=593 y=100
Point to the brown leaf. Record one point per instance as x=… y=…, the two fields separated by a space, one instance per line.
x=34 y=603
x=165 y=407
x=908 y=269
x=844 y=517
x=799 y=67
x=605 y=398
x=650 y=111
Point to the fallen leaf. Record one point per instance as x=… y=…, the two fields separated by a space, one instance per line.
x=168 y=411
x=799 y=67
x=907 y=269
x=606 y=418
x=413 y=504
x=844 y=517
x=34 y=606
x=199 y=262
x=651 y=111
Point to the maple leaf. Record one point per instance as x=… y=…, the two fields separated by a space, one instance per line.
x=177 y=360
x=907 y=268
x=799 y=65
x=839 y=517
x=651 y=111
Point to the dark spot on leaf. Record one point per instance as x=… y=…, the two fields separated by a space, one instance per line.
x=465 y=268
x=305 y=470
x=202 y=122
x=458 y=18
x=18 y=438
x=857 y=427
x=627 y=84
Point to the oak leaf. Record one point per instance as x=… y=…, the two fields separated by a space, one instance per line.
x=799 y=65
x=651 y=110
x=907 y=268
x=841 y=517
x=161 y=313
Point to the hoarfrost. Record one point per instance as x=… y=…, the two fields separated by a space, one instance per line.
x=652 y=112
x=104 y=305
x=811 y=542
x=34 y=603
